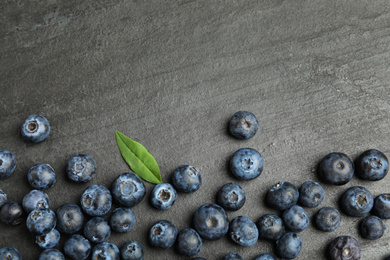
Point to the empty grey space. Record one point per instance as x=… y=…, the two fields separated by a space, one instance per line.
x=170 y=74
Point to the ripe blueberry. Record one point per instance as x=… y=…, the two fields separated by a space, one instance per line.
x=243 y=231
x=96 y=200
x=296 y=219
x=163 y=196
x=232 y=256
x=270 y=227
x=311 y=194
x=128 y=190
x=41 y=176
x=327 y=219
x=97 y=230
x=289 y=245
x=105 y=250
x=231 y=196
x=122 y=220
x=186 y=179
x=70 y=219
x=210 y=221
x=344 y=248
x=132 y=250
x=41 y=221
x=336 y=168
x=77 y=247
x=243 y=125
x=282 y=195
x=11 y=213
x=51 y=254
x=382 y=206
x=188 y=242
x=372 y=165
x=7 y=163
x=246 y=164
x=35 y=128
x=372 y=227
x=266 y=257
x=162 y=234
x=357 y=201
x=81 y=168
x=10 y=253
x=48 y=240
x=35 y=199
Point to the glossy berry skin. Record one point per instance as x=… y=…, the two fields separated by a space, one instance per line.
x=246 y=164
x=243 y=125
x=10 y=253
x=97 y=230
x=48 y=240
x=163 y=196
x=311 y=194
x=51 y=254
x=35 y=128
x=289 y=246
x=296 y=219
x=11 y=213
x=282 y=195
x=81 y=168
x=128 y=190
x=105 y=250
x=243 y=231
x=210 y=221
x=186 y=178
x=270 y=227
x=357 y=201
x=336 y=168
x=188 y=242
x=372 y=165
x=41 y=176
x=382 y=206
x=96 y=200
x=3 y=198
x=231 y=196
x=344 y=248
x=7 y=163
x=372 y=227
x=77 y=247
x=41 y=221
x=232 y=256
x=122 y=220
x=327 y=219
x=132 y=250
x=162 y=234
x=70 y=218
x=266 y=257
x=35 y=199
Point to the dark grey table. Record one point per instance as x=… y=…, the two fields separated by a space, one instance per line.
x=170 y=74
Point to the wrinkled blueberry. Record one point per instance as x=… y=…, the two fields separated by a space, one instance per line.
x=41 y=176
x=128 y=190
x=289 y=245
x=231 y=196
x=210 y=221
x=51 y=254
x=35 y=199
x=336 y=168
x=188 y=242
x=327 y=219
x=382 y=206
x=10 y=253
x=7 y=163
x=105 y=250
x=48 y=240
x=163 y=196
x=3 y=198
x=372 y=227
x=282 y=195
x=344 y=248
x=70 y=219
x=35 y=128
x=266 y=257
x=243 y=231
x=77 y=247
x=81 y=168
x=243 y=125
x=41 y=221
x=162 y=234
x=186 y=179
x=11 y=213
x=132 y=250
x=96 y=200
x=296 y=219
x=122 y=220
x=270 y=227
x=97 y=230
x=232 y=256
x=357 y=201
x=311 y=194
x=246 y=164
x=372 y=165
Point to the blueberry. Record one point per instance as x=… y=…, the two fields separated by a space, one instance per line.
x=336 y=168
x=11 y=213
x=70 y=219
x=48 y=240
x=81 y=168
x=3 y=198
x=35 y=199
x=296 y=219
x=41 y=221
x=163 y=196
x=105 y=250
x=128 y=190
x=77 y=247
x=382 y=206
x=186 y=179
x=10 y=253
x=122 y=220
x=282 y=195
x=41 y=176
x=35 y=128
x=188 y=242
x=246 y=164
x=7 y=163
x=51 y=254
x=231 y=196
x=243 y=125
x=132 y=250
x=311 y=194
x=266 y=257
x=96 y=200
x=243 y=231
x=162 y=234
x=372 y=227
x=270 y=227
x=344 y=248
x=289 y=245
x=97 y=230
x=327 y=219
x=211 y=222
x=232 y=256
x=372 y=165
x=357 y=201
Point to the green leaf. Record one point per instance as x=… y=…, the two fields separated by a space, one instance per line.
x=138 y=158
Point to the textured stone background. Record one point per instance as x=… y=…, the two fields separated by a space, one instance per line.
x=170 y=74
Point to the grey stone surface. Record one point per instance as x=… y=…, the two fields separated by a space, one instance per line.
x=169 y=74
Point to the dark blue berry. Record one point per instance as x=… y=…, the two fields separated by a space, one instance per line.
x=41 y=221
x=122 y=220
x=105 y=250
x=289 y=245
x=336 y=168
x=96 y=200
x=211 y=222
x=162 y=234
x=97 y=230
x=48 y=240
x=188 y=242
x=246 y=164
x=344 y=248
x=35 y=199
x=311 y=194
x=132 y=250
x=3 y=198
x=10 y=253
x=231 y=196
x=357 y=201
x=11 y=213
x=51 y=254
x=372 y=165
x=243 y=231
x=243 y=125
x=372 y=227
x=270 y=227
x=77 y=247
x=7 y=163
x=296 y=219
x=382 y=206
x=327 y=219
x=35 y=128
x=232 y=256
x=282 y=195
x=266 y=257
x=128 y=190
x=81 y=168
x=70 y=218
x=186 y=179
x=41 y=176
x=163 y=196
